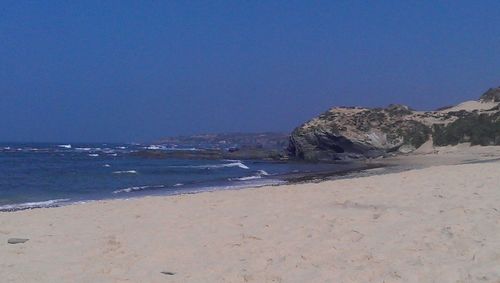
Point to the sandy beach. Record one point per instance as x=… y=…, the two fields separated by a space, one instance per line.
x=249 y=142
x=436 y=224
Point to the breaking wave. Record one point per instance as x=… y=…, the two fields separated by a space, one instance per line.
x=138 y=188
x=217 y=166
x=125 y=172
x=68 y=146
x=30 y=205
x=258 y=175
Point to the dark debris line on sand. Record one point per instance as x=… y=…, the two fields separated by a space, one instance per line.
x=167 y=273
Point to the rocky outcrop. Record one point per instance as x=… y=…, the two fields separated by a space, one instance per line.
x=354 y=132
x=493 y=94
x=267 y=140
x=249 y=153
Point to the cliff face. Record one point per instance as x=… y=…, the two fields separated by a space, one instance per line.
x=352 y=132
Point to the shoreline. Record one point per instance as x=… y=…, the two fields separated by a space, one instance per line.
x=276 y=180
x=450 y=155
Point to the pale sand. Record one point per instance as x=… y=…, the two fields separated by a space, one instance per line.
x=471 y=106
x=438 y=224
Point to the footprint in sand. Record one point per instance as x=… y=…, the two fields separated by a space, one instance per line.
x=244 y=236
x=112 y=245
x=353 y=236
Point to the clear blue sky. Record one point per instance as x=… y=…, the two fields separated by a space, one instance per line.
x=138 y=70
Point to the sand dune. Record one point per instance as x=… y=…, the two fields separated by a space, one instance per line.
x=471 y=105
x=438 y=224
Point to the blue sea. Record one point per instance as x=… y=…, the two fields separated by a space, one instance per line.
x=44 y=175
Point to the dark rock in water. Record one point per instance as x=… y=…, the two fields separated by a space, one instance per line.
x=255 y=153
x=268 y=140
x=17 y=241
x=353 y=132
x=181 y=154
x=257 y=146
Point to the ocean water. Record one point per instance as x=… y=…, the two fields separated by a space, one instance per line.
x=45 y=175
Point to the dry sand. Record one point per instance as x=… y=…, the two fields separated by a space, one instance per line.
x=437 y=224
x=471 y=106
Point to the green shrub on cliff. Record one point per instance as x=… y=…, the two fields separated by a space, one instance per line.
x=412 y=133
x=480 y=129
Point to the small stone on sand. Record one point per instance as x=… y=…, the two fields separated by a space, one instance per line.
x=17 y=241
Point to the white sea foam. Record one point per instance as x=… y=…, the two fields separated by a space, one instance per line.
x=248 y=178
x=125 y=172
x=138 y=188
x=226 y=165
x=172 y=148
x=131 y=189
x=106 y=165
x=65 y=146
x=178 y=185
x=181 y=149
x=83 y=148
x=233 y=164
x=258 y=175
x=263 y=173
x=237 y=164
x=154 y=147
x=94 y=155
x=29 y=205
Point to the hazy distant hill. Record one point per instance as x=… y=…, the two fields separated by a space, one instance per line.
x=229 y=140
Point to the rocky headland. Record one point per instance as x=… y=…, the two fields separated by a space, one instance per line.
x=355 y=132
